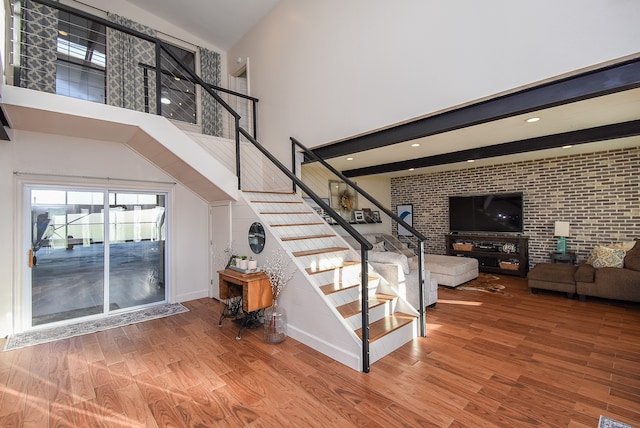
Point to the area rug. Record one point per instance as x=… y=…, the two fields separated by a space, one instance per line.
x=485 y=283
x=37 y=337
x=606 y=422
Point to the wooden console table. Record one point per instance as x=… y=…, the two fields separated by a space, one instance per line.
x=252 y=290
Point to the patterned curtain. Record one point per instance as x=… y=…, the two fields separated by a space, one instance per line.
x=39 y=35
x=211 y=110
x=125 y=77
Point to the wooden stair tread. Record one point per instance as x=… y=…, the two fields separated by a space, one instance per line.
x=311 y=271
x=286 y=212
x=273 y=192
x=298 y=238
x=339 y=286
x=387 y=325
x=352 y=308
x=318 y=251
x=274 y=202
x=297 y=224
x=334 y=287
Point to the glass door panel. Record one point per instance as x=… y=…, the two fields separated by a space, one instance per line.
x=67 y=240
x=136 y=249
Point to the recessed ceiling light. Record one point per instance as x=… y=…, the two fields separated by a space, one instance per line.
x=415 y=145
x=532 y=119
x=568 y=146
x=471 y=160
x=411 y=169
x=349 y=159
x=63 y=33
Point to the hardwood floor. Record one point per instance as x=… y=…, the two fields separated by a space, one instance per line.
x=489 y=360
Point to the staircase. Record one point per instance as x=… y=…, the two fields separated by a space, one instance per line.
x=332 y=269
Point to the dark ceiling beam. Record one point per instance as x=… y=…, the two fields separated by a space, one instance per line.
x=590 y=135
x=615 y=78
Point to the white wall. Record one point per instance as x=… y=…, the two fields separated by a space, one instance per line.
x=58 y=156
x=326 y=70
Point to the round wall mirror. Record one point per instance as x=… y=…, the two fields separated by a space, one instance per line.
x=256 y=237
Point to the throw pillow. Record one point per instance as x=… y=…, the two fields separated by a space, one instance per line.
x=626 y=245
x=392 y=258
x=606 y=257
x=378 y=246
x=632 y=259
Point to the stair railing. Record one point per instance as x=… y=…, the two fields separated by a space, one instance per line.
x=365 y=245
x=421 y=238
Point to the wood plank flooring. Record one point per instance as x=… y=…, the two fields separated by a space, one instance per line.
x=489 y=360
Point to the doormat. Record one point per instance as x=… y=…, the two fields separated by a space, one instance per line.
x=606 y=422
x=485 y=283
x=37 y=337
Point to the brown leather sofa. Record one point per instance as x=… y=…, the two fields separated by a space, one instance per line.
x=608 y=282
x=619 y=283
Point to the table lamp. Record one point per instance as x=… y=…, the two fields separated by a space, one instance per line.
x=561 y=231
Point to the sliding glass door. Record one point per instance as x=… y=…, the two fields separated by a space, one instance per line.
x=136 y=249
x=94 y=252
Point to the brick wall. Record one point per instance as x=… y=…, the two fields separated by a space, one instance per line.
x=597 y=193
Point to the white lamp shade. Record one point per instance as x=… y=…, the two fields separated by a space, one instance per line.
x=562 y=228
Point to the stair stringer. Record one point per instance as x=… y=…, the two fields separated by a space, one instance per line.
x=310 y=319
x=324 y=339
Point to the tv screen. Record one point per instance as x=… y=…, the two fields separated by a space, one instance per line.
x=486 y=213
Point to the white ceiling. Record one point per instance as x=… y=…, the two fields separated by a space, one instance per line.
x=610 y=109
x=223 y=22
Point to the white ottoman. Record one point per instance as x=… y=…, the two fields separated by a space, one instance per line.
x=451 y=270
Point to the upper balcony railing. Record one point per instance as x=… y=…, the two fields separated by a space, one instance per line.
x=115 y=61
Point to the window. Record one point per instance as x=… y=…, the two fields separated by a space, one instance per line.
x=81 y=62
x=178 y=92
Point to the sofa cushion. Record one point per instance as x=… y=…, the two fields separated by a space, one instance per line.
x=632 y=258
x=602 y=256
x=585 y=273
x=552 y=272
x=390 y=257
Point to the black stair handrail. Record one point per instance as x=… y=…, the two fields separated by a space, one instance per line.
x=421 y=238
x=365 y=245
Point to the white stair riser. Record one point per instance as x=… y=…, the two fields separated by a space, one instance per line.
x=392 y=341
x=289 y=218
x=375 y=314
x=344 y=296
x=284 y=232
x=313 y=244
x=323 y=261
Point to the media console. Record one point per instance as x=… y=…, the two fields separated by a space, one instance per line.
x=505 y=254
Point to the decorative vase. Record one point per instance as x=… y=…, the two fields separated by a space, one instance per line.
x=252 y=264
x=275 y=323
x=346 y=214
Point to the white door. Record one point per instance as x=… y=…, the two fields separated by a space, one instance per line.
x=220 y=231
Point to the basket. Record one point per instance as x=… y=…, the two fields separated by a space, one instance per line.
x=509 y=266
x=463 y=247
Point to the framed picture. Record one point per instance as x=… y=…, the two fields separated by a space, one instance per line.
x=405 y=212
x=342 y=197
x=358 y=216
x=231 y=262
x=368 y=216
x=375 y=215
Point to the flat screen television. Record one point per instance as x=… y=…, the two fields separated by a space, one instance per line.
x=486 y=213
